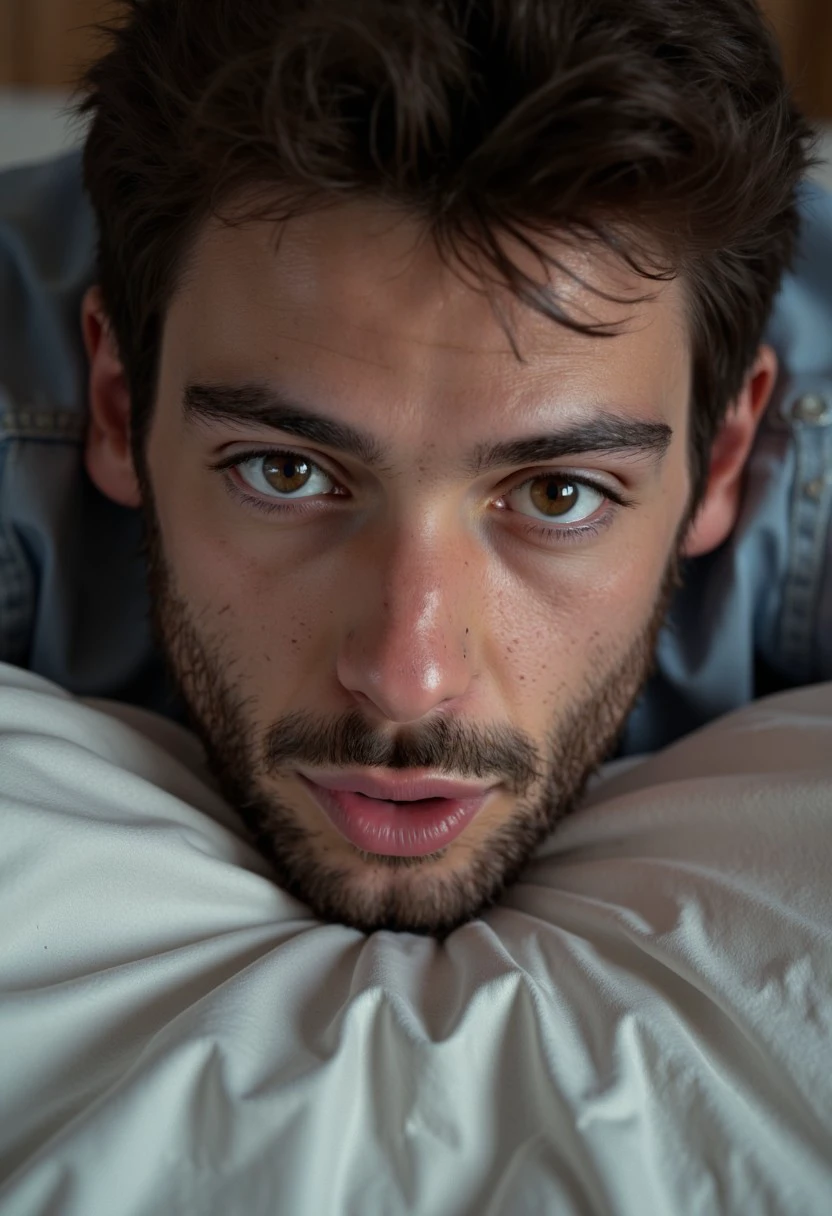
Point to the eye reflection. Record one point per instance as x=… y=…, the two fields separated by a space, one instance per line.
x=278 y=474
x=557 y=497
x=285 y=472
x=553 y=496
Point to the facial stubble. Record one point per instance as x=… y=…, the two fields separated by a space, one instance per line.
x=382 y=892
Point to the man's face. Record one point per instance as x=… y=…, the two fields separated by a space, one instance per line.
x=392 y=584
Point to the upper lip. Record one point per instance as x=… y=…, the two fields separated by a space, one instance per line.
x=396 y=789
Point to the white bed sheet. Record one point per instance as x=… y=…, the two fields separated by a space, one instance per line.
x=644 y=1026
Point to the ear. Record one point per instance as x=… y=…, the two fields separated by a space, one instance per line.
x=107 y=454
x=720 y=505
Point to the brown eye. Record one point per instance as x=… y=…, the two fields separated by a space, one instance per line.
x=285 y=475
x=554 y=496
x=285 y=472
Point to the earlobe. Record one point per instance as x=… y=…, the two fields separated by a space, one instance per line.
x=107 y=454
x=720 y=506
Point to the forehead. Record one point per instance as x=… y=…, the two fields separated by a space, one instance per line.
x=360 y=293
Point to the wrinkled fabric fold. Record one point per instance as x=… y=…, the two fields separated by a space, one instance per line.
x=641 y=1025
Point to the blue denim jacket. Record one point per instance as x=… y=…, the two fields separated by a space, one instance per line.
x=754 y=616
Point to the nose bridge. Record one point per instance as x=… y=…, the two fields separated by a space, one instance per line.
x=405 y=646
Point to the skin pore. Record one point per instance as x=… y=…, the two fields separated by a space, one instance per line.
x=387 y=579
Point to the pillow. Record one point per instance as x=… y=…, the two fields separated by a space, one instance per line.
x=643 y=1024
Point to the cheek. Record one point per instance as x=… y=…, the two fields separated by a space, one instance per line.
x=271 y=615
x=558 y=633
x=264 y=610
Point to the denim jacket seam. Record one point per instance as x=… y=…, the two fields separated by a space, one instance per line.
x=810 y=516
x=17 y=579
x=35 y=422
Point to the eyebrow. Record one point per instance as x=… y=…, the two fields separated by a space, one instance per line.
x=264 y=406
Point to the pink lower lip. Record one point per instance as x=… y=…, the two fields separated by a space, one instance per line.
x=396 y=829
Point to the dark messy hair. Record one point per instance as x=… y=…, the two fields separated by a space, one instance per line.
x=662 y=129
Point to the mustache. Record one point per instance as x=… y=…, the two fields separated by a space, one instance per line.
x=443 y=745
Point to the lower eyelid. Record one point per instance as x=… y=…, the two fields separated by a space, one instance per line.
x=575 y=533
x=240 y=492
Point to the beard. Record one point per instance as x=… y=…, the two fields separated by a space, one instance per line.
x=404 y=894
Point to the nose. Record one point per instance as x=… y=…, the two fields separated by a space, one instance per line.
x=409 y=645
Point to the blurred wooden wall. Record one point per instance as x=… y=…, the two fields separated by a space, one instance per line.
x=805 y=31
x=44 y=43
x=49 y=41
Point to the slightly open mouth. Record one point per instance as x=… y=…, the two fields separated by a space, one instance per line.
x=404 y=802
x=408 y=804
x=409 y=828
